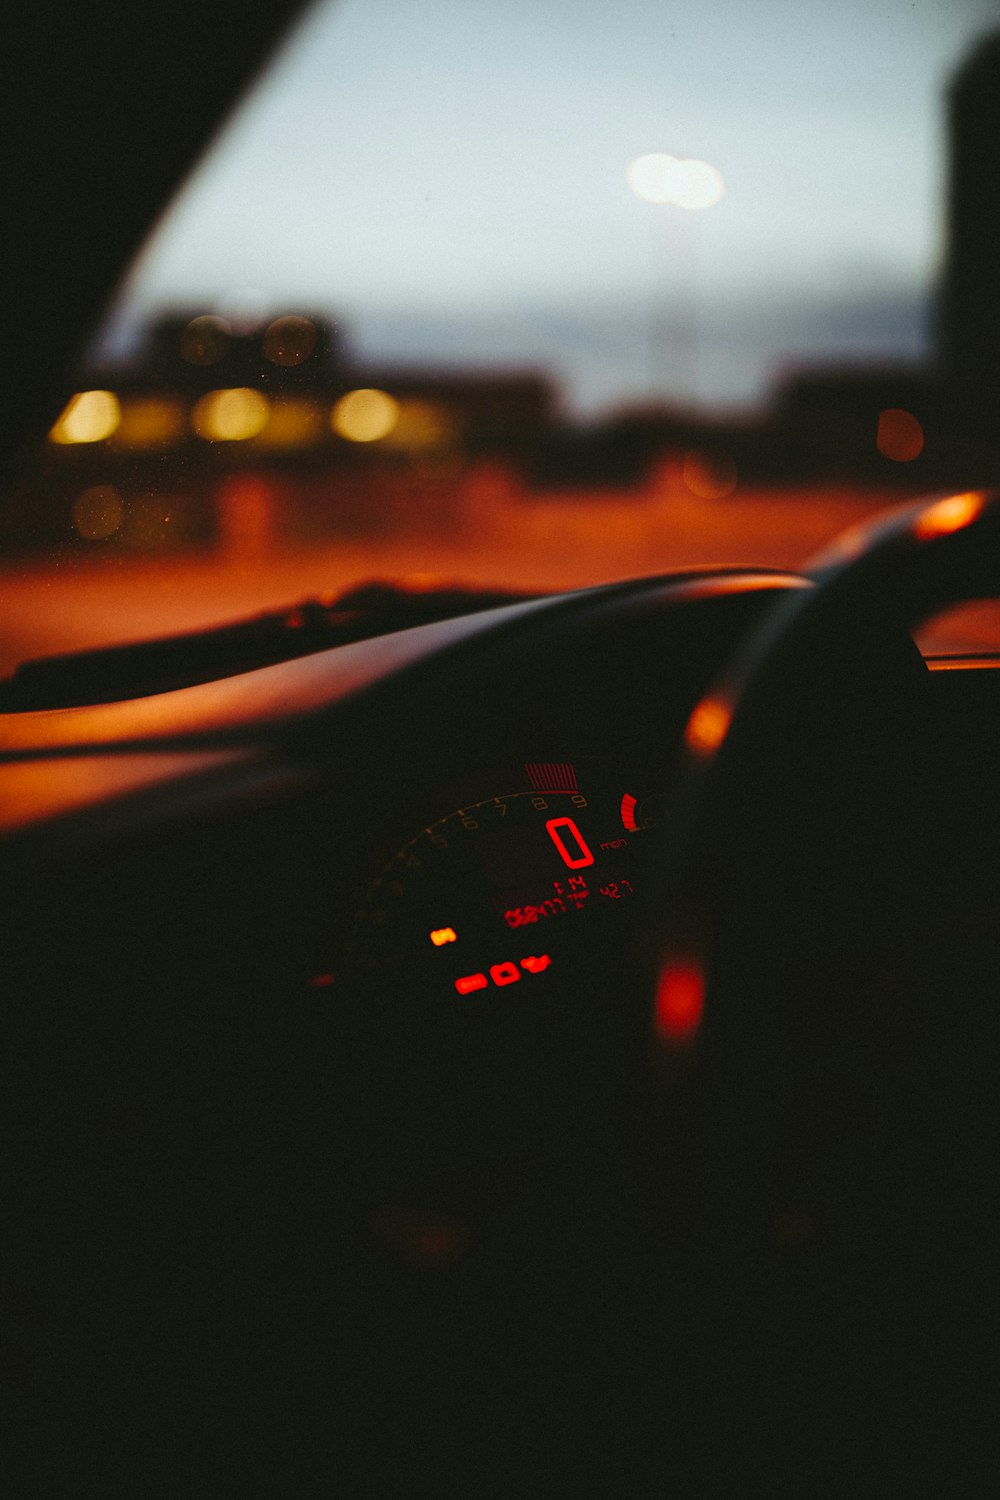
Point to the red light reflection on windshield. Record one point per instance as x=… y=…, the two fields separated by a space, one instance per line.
x=680 y=1000
x=708 y=726
x=946 y=516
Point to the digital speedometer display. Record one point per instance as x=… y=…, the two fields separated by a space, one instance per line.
x=496 y=892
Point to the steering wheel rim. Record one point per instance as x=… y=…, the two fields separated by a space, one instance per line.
x=872 y=586
x=791 y=835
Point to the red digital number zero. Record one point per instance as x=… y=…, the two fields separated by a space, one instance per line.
x=582 y=856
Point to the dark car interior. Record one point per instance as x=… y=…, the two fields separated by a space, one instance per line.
x=486 y=1044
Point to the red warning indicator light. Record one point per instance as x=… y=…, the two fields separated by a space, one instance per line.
x=629 y=805
x=505 y=973
x=470 y=982
x=442 y=935
x=572 y=847
x=708 y=725
x=321 y=981
x=680 y=999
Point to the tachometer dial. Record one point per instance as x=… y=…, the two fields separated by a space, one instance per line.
x=494 y=894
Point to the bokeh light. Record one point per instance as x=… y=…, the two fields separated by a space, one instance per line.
x=293 y=423
x=289 y=341
x=149 y=422
x=89 y=417
x=98 y=512
x=700 y=186
x=205 y=340
x=709 y=473
x=949 y=515
x=658 y=177
x=422 y=426
x=680 y=1000
x=364 y=416
x=708 y=725
x=654 y=177
x=231 y=415
x=899 y=436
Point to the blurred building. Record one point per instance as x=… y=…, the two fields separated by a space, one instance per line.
x=215 y=429
x=212 y=430
x=969 y=330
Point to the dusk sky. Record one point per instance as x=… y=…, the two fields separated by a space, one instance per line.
x=448 y=177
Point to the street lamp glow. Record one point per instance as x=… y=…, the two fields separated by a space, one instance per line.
x=654 y=177
x=659 y=177
x=700 y=186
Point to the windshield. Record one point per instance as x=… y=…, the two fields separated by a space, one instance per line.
x=532 y=296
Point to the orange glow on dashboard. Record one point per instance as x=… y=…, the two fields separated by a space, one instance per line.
x=946 y=516
x=442 y=935
x=680 y=1000
x=708 y=726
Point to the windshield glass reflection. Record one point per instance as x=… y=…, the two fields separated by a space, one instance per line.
x=534 y=296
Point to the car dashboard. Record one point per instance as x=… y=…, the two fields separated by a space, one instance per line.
x=339 y=1151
